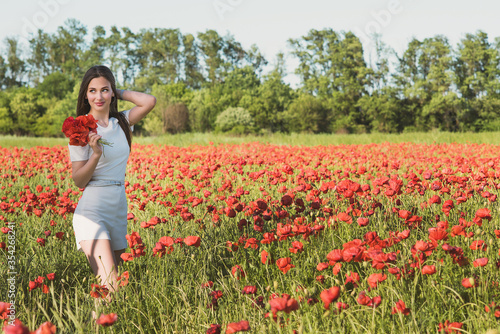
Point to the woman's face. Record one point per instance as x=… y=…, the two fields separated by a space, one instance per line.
x=99 y=94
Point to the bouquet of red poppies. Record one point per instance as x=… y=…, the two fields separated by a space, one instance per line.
x=78 y=129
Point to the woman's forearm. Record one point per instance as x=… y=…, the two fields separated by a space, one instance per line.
x=144 y=104
x=83 y=173
x=137 y=98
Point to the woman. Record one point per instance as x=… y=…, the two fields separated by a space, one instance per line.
x=100 y=218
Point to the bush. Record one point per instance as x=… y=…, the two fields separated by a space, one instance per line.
x=176 y=118
x=235 y=120
x=307 y=114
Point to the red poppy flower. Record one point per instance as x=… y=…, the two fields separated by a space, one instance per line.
x=234 y=327
x=41 y=241
x=469 y=282
x=16 y=328
x=484 y=213
x=51 y=276
x=478 y=245
x=252 y=243
x=284 y=264
x=123 y=278
x=429 y=270
x=480 y=262
x=46 y=328
x=363 y=299
x=214 y=329
x=285 y=304
x=107 y=319
x=4 y=309
x=264 y=257
x=322 y=266
x=352 y=278
x=330 y=295
x=376 y=278
x=448 y=327
x=488 y=308
x=400 y=307
x=344 y=217
x=126 y=257
x=336 y=268
x=98 y=291
x=335 y=256
x=297 y=247
x=192 y=241
x=436 y=234
x=249 y=290
x=238 y=272
x=363 y=221
x=208 y=284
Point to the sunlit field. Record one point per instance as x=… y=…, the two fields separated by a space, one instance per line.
x=274 y=234
x=282 y=139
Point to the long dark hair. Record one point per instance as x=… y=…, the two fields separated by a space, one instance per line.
x=83 y=106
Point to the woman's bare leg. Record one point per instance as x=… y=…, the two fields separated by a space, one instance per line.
x=102 y=261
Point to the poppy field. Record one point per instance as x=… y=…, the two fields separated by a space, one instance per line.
x=263 y=238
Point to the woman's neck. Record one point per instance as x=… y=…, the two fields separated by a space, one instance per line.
x=101 y=117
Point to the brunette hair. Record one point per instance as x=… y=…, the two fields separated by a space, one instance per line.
x=83 y=106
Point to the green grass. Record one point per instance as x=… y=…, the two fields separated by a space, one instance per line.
x=186 y=139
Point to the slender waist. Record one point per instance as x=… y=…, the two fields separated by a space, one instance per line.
x=104 y=183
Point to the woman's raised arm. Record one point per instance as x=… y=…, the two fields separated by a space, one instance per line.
x=144 y=103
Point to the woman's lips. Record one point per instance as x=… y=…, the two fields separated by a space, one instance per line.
x=99 y=104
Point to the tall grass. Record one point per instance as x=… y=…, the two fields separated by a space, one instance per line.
x=186 y=139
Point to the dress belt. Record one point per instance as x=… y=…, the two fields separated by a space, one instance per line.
x=104 y=183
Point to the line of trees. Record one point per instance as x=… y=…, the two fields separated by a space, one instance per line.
x=209 y=82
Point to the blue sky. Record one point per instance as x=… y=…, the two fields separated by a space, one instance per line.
x=268 y=24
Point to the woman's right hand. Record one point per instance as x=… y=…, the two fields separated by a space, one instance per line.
x=96 y=147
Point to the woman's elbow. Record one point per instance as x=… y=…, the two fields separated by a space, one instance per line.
x=152 y=102
x=78 y=183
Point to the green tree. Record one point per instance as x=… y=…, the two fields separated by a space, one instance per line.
x=425 y=78
x=96 y=53
x=192 y=69
x=56 y=85
x=159 y=57
x=58 y=109
x=332 y=68
x=211 y=45
x=38 y=61
x=206 y=104
x=477 y=78
x=26 y=109
x=6 y=117
x=268 y=102
x=16 y=66
x=3 y=73
x=66 y=47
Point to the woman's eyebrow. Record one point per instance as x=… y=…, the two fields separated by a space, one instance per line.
x=101 y=87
